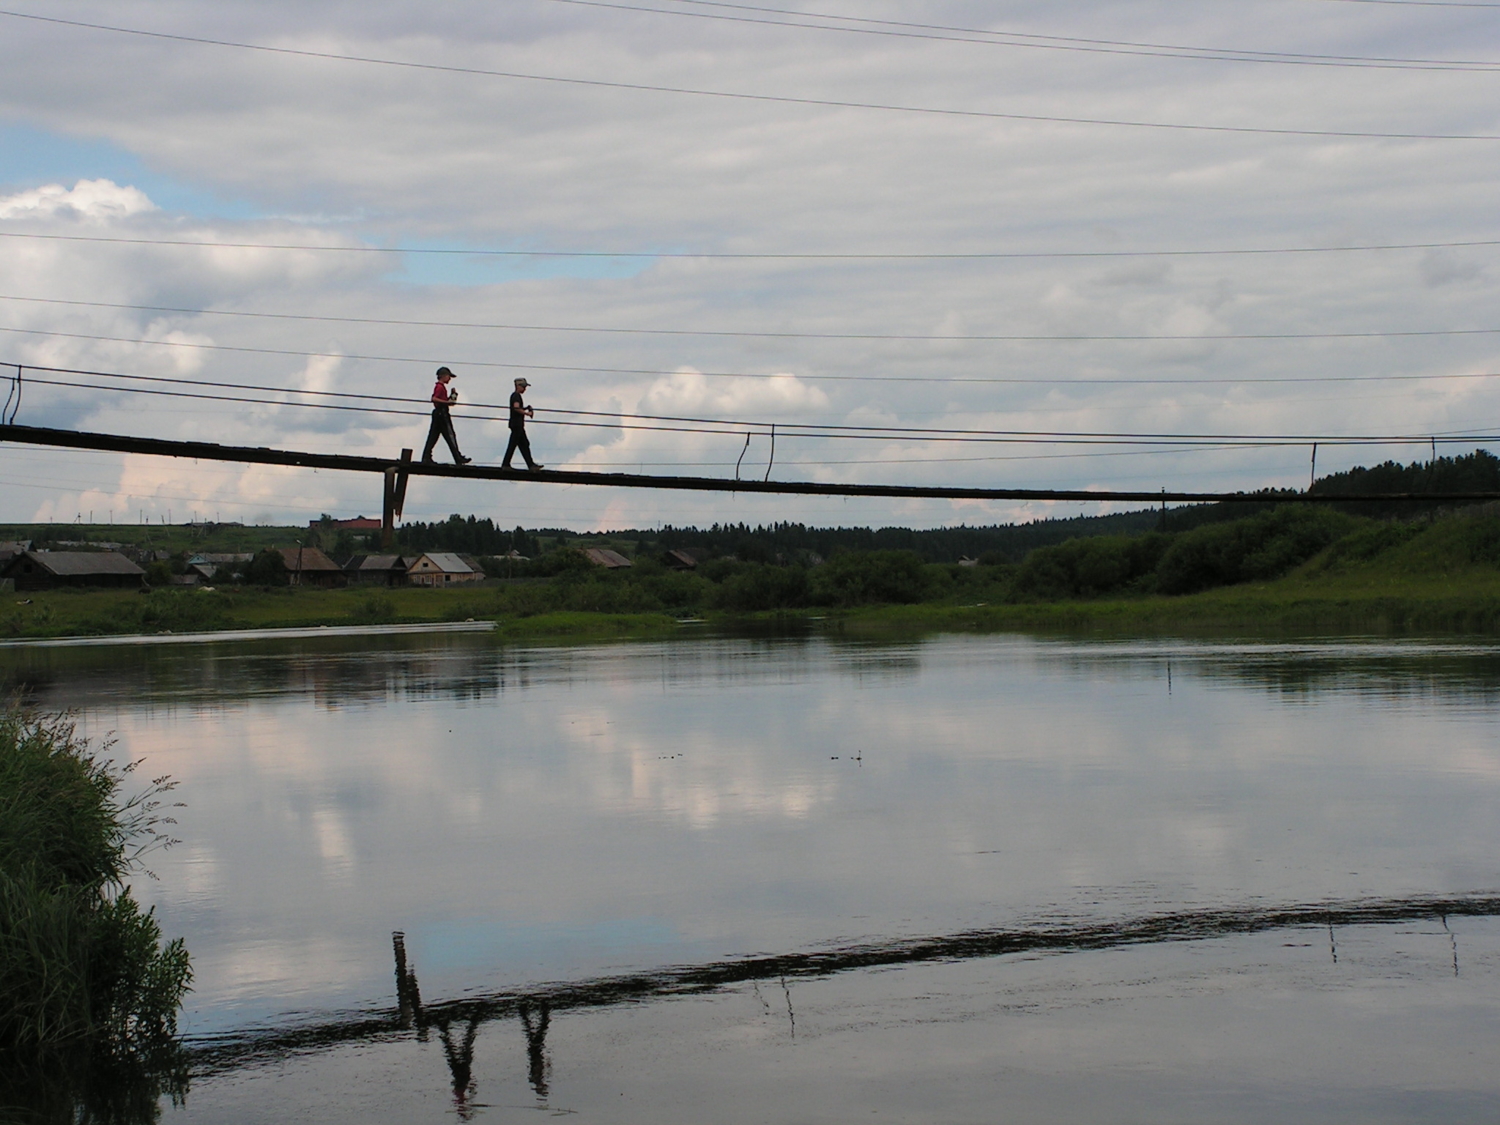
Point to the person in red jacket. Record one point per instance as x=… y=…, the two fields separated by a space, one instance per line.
x=442 y=420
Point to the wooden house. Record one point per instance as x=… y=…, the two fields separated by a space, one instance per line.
x=603 y=556
x=308 y=566
x=441 y=568
x=50 y=570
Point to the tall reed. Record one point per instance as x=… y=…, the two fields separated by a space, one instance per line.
x=89 y=995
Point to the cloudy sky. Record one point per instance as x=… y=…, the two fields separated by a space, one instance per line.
x=935 y=214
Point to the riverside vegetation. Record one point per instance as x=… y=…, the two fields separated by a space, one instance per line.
x=1256 y=563
x=1283 y=566
x=89 y=995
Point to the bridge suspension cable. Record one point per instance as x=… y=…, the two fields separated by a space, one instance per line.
x=366 y=403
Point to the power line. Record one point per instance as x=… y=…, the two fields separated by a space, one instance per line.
x=777 y=256
x=894 y=337
x=1421 y=3
x=772 y=99
x=901 y=29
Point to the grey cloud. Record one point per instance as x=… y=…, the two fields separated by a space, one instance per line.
x=491 y=162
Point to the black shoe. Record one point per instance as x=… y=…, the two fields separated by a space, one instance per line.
x=426 y=460
x=464 y=460
x=506 y=465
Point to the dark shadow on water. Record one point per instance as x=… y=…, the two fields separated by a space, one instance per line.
x=92 y=1088
x=537 y=1064
x=534 y=1008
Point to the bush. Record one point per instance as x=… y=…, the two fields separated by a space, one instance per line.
x=267 y=568
x=87 y=990
x=1368 y=542
x=1264 y=546
x=872 y=576
x=759 y=586
x=375 y=608
x=1088 y=568
x=564 y=560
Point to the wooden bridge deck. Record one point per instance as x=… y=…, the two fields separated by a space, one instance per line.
x=260 y=455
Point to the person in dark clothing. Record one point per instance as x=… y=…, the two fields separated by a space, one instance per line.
x=519 y=412
x=442 y=421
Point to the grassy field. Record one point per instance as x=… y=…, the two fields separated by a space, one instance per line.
x=1431 y=583
x=64 y=613
x=159 y=537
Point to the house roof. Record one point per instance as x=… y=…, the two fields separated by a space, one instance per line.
x=67 y=564
x=358 y=523
x=445 y=562
x=376 y=562
x=310 y=559
x=603 y=556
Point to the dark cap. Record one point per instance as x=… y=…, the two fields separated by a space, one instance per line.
x=441 y=371
x=522 y=383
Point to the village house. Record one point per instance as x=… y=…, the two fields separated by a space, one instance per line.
x=603 y=556
x=358 y=523
x=308 y=566
x=209 y=565
x=377 y=570
x=51 y=570
x=441 y=568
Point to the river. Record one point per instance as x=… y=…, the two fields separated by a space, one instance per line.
x=433 y=876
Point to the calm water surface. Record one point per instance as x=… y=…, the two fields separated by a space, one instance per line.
x=799 y=879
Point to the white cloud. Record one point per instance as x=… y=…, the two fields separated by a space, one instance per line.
x=471 y=161
x=96 y=201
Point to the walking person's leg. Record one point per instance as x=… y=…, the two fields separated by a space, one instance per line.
x=432 y=436
x=510 y=449
x=452 y=439
x=524 y=444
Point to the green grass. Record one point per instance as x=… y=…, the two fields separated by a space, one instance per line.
x=1386 y=578
x=159 y=537
x=88 y=993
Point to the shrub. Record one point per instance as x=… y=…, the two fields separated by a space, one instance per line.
x=564 y=560
x=1264 y=546
x=1086 y=568
x=1481 y=540
x=871 y=576
x=267 y=568
x=1368 y=542
x=87 y=990
x=375 y=608
x=760 y=586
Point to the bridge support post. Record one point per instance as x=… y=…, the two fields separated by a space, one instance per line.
x=395 y=499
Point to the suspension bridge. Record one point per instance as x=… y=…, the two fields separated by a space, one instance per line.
x=398 y=470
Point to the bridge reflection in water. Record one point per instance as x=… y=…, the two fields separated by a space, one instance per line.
x=457 y=1023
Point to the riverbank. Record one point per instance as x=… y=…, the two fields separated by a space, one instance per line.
x=1466 y=601
x=1355 y=576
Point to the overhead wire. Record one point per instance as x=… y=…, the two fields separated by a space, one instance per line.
x=762 y=98
x=945 y=33
x=1420 y=3
x=620 y=420
x=730 y=255
x=731 y=333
